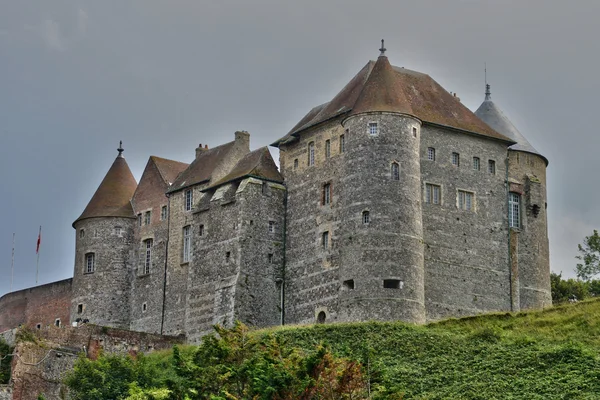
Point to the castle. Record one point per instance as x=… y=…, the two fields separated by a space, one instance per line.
x=393 y=201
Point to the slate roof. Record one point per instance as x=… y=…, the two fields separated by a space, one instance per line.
x=378 y=86
x=257 y=164
x=169 y=169
x=201 y=169
x=113 y=196
x=492 y=115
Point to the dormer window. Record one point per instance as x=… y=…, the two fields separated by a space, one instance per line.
x=373 y=128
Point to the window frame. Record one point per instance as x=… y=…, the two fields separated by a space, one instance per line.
x=431 y=153
x=89 y=264
x=311 y=154
x=455 y=159
x=476 y=164
x=373 y=128
x=465 y=200
x=342 y=143
x=164 y=213
x=187 y=244
x=366 y=217
x=328 y=148
x=188 y=200
x=395 y=171
x=147 y=217
x=430 y=193
x=492 y=167
x=148 y=244
x=512 y=207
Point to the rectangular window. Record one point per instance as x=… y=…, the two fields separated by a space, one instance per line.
x=80 y=308
x=349 y=284
x=373 y=128
x=465 y=200
x=189 y=199
x=491 y=166
x=431 y=154
x=90 y=263
x=414 y=132
x=432 y=194
x=147 y=217
x=148 y=261
x=456 y=159
x=187 y=243
x=227 y=256
x=139 y=219
x=271 y=226
x=118 y=231
x=325 y=240
x=326 y=194
x=311 y=154
x=270 y=258
x=476 y=163
x=366 y=217
x=514 y=211
x=391 y=284
x=327 y=148
x=395 y=171
x=163 y=213
x=201 y=230
x=342 y=143
x=296 y=163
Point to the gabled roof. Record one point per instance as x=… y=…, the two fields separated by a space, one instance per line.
x=257 y=164
x=113 y=196
x=492 y=115
x=389 y=88
x=201 y=169
x=169 y=169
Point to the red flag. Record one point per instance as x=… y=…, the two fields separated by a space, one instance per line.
x=37 y=249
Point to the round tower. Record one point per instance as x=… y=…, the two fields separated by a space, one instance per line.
x=104 y=233
x=382 y=266
x=527 y=220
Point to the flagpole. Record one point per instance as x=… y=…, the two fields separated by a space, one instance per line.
x=37 y=267
x=12 y=265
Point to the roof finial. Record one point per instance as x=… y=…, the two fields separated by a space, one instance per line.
x=382 y=49
x=120 y=149
x=488 y=94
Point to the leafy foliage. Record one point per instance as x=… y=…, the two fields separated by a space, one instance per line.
x=590 y=257
x=5 y=361
x=572 y=289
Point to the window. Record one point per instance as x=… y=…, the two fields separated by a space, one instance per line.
x=491 y=166
x=189 y=199
x=325 y=240
x=147 y=217
x=327 y=194
x=432 y=194
x=465 y=200
x=395 y=171
x=163 y=213
x=118 y=231
x=144 y=307
x=476 y=163
x=373 y=128
x=187 y=243
x=201 y=230
x=391 y=284
x=228 y=256
x=57 y=322
x=148 y=260
x=296 y=163
x=514 y=200
x=366 y=217
x=311 y=154
x=327 y=148
x=90 y=263
x=38 y=326
x=431 y=154
x=342 y=143
x=270 y=258
x=80 y=308
x=349 y=284
x=139 y=218
x=271 y=226
x=456 y=159
x=81 y=234
x=414 y=132
x=321 y=317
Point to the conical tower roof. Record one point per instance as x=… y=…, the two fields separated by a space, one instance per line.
x=492 y=115
x=383 y=90
x=113 y=196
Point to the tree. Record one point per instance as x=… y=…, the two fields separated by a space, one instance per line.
x=590 y=257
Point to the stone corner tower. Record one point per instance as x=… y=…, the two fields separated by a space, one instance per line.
x=382 y=267
x=104 y=232
x=527 y=218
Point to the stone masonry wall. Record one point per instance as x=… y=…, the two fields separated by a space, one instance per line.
x=42 y=305
x=466 y=252
x=104 y=293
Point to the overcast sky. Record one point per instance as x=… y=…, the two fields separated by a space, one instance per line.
x=78 y=76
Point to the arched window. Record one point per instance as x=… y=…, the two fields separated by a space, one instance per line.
x=321 y=317
x=311 y=154
x=395 y=171
x=366 y=218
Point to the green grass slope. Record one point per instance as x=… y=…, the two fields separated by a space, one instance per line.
x=551 y=354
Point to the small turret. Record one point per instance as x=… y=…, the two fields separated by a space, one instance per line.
x=103 y=234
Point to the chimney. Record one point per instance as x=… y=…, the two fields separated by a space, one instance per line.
x=242 y=138
x=200 y=149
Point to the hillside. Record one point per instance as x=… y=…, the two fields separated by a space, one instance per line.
x=551 y=354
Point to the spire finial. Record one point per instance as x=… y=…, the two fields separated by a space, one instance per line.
x=488 y=93
x=120 y=149
x=382 y=49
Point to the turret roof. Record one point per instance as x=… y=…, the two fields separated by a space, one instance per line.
x=492 y=115
x=113 y=196
x=258 y=164
x=379 y=86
